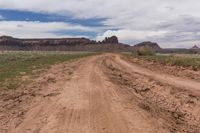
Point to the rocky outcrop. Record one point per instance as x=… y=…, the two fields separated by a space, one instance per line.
x=111 y=40
x=61 y=44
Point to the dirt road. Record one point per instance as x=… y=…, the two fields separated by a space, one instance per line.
x=106 y=94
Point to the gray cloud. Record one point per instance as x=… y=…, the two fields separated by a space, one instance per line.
x=183 y=29
x=182 y=24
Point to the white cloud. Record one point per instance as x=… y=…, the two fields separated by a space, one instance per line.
x=131 y=36
x=151 y=9
x=29 y=29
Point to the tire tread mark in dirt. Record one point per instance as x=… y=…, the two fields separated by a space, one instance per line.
x=70 y=120
x=156 y=105
x=91 y=103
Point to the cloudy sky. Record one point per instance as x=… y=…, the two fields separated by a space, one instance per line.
x=171 y=23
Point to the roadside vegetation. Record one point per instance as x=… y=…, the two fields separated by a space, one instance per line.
x=145 y=51
x=183 y=60
x=14 y=65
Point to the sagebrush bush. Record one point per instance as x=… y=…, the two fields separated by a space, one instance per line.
x=145 y=51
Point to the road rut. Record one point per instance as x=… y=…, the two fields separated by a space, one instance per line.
x=102 y=96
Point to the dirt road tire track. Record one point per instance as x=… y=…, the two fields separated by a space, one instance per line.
x=99 y=99
x=176 y=104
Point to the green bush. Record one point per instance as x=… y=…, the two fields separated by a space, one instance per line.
x=145 y=51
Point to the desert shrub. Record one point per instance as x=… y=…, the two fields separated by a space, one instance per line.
x=145 y=51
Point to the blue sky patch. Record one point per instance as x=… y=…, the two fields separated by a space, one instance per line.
x=15 y=15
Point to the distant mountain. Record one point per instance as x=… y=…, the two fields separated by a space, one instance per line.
x=151 y=45
x=109 y=44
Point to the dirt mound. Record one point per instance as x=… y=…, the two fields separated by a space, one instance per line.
x=178 y=71
x=175 y=106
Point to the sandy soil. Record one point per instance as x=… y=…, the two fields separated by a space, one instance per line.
x=102 y=94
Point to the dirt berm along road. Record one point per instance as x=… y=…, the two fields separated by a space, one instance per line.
x=108 y=94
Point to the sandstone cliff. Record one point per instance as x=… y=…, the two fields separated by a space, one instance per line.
x=61 y=44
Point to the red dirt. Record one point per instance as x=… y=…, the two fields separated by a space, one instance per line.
x=104 y=94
